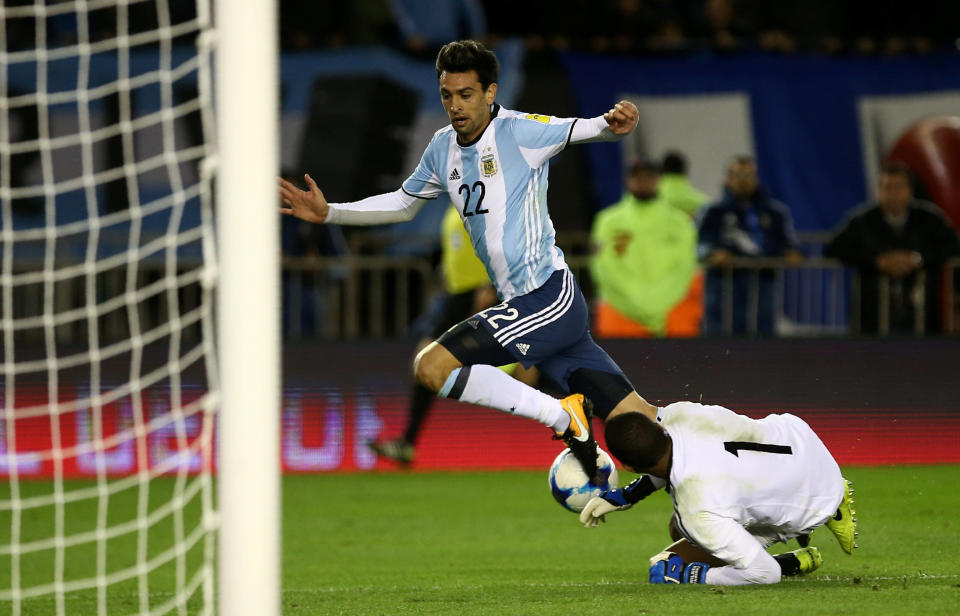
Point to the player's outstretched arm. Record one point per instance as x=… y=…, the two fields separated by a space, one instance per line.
x=611 y=126
x=622 y=118
x=309 y=205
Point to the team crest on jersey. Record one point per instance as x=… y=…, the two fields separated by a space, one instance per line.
x=489 y=164
x=538 y=118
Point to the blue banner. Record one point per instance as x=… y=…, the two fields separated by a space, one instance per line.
x=804 y=115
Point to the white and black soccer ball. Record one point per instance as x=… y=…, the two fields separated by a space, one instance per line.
x=570 y=485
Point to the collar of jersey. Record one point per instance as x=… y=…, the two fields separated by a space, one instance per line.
x=493 y=113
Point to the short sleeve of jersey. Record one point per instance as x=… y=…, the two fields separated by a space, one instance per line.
x=541 y=137
x=426 y=182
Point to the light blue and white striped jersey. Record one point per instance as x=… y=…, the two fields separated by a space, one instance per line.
x=499 y=185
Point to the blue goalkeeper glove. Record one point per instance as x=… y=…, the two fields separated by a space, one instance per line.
x=668 y=568
x=616 y=500
x=695 y=573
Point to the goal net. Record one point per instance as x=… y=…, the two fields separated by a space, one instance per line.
x=107 y=268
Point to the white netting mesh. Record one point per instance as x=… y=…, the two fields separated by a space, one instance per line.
x=107 y=385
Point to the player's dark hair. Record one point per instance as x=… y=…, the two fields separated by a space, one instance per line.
x=675 y=162
x=635 y=440
x=464 y=56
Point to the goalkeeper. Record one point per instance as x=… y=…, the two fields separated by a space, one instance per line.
x=738 y=485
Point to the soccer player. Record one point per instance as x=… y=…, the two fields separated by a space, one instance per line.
x=738 y=485
x=467 y=290
x=493 y=164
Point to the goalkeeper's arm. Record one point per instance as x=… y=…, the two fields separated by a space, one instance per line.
x=619 y=499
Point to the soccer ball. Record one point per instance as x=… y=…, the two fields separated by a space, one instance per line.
x=570 y=485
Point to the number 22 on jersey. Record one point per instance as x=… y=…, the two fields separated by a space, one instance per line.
x=478 y=192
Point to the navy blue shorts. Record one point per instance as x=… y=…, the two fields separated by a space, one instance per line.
x=546 y=328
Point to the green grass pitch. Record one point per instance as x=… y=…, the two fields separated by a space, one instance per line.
x=496 y=543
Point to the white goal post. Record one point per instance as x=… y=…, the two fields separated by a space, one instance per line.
x=249 y=324
x=139 y=307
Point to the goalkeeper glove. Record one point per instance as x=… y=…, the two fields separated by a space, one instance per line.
x=616 y=500
x=668 y=568
x=695 y=573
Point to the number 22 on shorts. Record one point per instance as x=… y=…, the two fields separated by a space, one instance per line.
x=510 y=314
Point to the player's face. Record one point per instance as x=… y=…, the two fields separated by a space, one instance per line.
x=466 y=102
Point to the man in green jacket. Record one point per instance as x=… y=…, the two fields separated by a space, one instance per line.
x=645 y=256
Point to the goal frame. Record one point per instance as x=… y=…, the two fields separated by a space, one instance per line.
x=248 y=324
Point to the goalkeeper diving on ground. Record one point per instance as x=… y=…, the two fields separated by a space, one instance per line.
x=738 y=486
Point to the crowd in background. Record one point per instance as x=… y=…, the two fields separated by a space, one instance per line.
x=631 y=26
x=608 y=26
x=646 y=250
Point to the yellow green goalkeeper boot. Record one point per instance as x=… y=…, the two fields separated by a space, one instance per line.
x=843 y=524
x=810 y=559
x=799 y=562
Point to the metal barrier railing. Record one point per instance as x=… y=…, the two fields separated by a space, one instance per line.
x=816 y=297
x=354 y=296
x=343 y=298
x=807 y=298
x=323 y=297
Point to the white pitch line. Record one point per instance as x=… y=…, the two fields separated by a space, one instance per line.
x=826 y=578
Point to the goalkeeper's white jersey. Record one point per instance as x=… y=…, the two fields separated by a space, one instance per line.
x=773 y=477
x=498 y=183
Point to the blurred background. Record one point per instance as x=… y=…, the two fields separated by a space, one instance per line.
x=819 y=94
x=809 y=151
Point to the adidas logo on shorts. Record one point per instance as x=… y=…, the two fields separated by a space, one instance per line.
x=523 y=347
x=454 y=175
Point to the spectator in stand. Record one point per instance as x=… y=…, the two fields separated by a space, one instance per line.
x=745 y=223
x=675 y=186
x=427 y=25
x=892 y=27
x=788 y=26
x=314 y=24
x=670 y=28
x=623 y=26
x=645 y=264
x=724 y=25
x=890 y=242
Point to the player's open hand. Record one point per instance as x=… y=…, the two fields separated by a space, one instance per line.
x=309 y=205
x=622 y=118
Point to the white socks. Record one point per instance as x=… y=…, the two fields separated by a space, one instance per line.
x=490 y=386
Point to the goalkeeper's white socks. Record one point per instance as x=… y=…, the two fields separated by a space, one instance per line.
x=490 y=386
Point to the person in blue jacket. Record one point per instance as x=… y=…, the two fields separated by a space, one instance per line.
x=746 y=222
